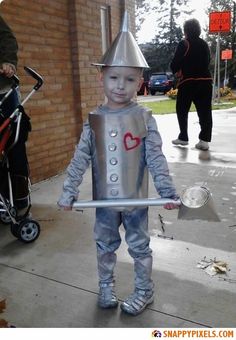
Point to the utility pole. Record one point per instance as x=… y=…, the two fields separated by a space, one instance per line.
x=233 y=43
x=233 y=27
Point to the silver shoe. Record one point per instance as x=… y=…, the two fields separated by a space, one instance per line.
x=107 y=297
x=137 y=302
x=179 y=142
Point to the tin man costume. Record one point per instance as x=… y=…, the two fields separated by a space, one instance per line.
x=122 y=146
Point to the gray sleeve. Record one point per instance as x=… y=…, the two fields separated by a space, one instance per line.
x=77 y=167
x=156 y=162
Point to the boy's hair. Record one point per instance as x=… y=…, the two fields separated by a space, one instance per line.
x=192 y=28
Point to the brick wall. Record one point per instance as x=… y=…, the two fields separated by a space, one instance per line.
x=59 y=39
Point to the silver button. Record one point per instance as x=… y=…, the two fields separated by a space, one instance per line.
x=114 y=192
x=113 y=161
x=112 y=147
x=114 y=177
x=113 y=133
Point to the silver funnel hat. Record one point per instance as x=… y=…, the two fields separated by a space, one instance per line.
x=197 y=203
x=124 y=50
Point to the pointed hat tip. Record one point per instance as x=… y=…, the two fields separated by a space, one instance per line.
x=125 y=22
x=124 y=50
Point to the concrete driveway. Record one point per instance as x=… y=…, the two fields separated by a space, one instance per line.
x=53 y=281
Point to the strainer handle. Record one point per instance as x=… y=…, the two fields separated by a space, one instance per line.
x=125 y=203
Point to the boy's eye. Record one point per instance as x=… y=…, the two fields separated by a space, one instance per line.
x=131 y=79
x=113 y=77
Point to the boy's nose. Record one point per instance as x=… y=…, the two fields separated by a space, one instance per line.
x=121 y=84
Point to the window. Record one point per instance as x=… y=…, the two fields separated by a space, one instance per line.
x=105 y=27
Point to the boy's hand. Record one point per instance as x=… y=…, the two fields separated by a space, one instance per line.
x=66 y=208
x=172 y=205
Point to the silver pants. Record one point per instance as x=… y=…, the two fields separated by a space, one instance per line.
x=108 y=240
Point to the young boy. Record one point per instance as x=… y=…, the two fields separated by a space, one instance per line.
x=121 y=140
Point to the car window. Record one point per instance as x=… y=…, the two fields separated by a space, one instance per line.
x=159 y=77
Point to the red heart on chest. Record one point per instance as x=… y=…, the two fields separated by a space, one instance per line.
x=130 y=141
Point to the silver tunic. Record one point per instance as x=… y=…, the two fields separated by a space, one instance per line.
x=118 y=165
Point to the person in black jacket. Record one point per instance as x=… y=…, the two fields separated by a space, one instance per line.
x=8 y=56
x=191 y=65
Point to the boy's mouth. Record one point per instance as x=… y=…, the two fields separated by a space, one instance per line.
x=119 y=94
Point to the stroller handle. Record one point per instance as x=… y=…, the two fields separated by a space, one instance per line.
x=36 y=76
x=16 y=80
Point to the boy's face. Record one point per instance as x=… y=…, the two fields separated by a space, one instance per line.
x=121 y=84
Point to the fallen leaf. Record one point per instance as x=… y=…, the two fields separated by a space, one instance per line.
x=213 y=267
x=220 y=266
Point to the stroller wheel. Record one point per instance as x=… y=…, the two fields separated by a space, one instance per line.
x=28 y=230
x=5 y=217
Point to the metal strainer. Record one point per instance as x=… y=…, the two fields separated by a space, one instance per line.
x=195 y=197
x=197 y=204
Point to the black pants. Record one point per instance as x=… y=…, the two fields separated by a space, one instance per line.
x=198 y=92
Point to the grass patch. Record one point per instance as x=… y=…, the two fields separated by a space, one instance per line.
x=168 y=106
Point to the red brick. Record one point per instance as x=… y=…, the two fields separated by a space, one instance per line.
x=59 y=39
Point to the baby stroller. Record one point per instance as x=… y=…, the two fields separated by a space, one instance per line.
x=13 y=129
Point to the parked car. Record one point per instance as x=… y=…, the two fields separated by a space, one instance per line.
x=141 y=92
x=161 y=82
